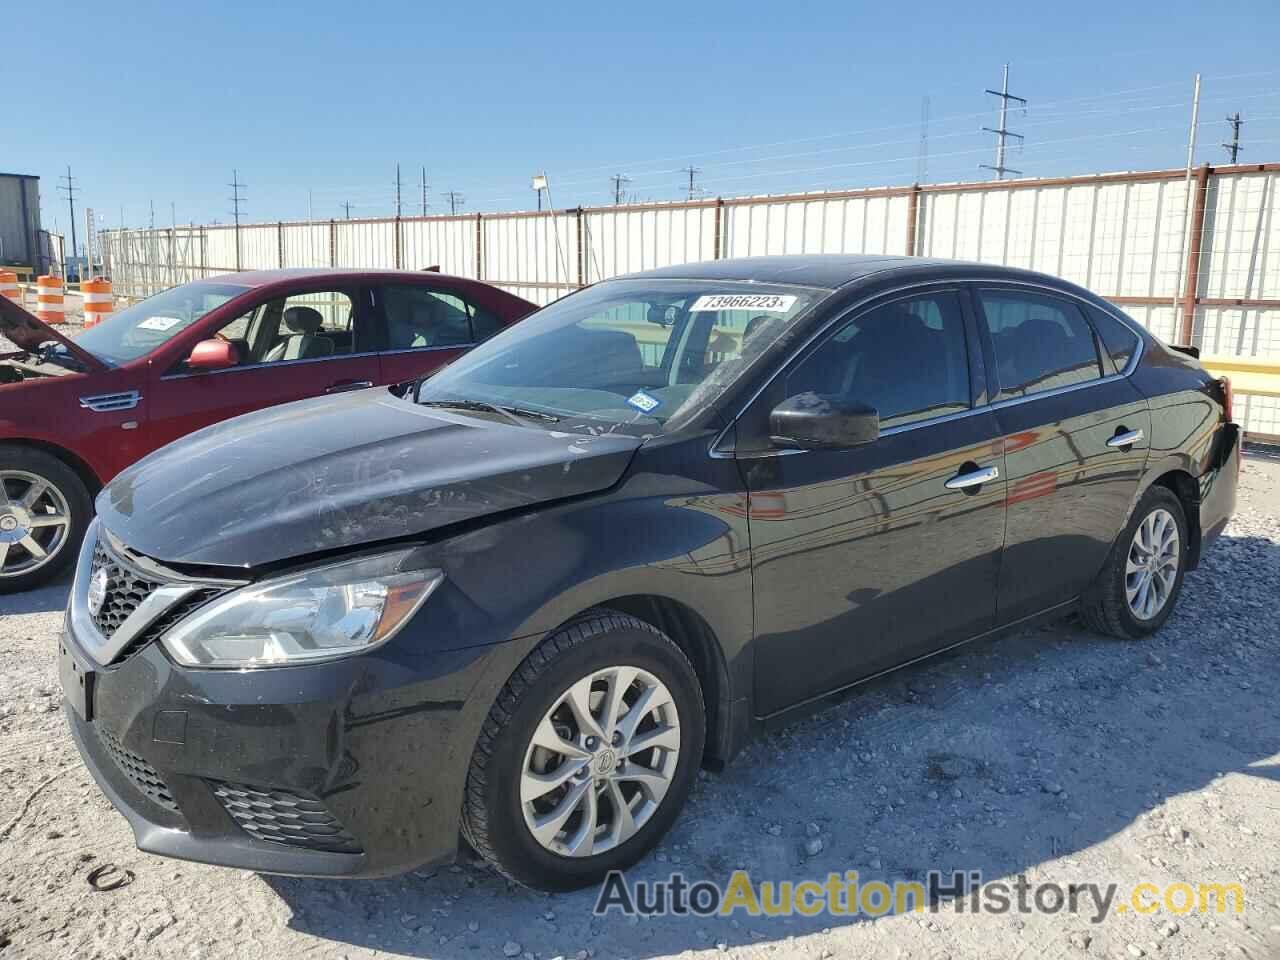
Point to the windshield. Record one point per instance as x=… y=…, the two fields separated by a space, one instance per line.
x=139 y=329
x=638 y=356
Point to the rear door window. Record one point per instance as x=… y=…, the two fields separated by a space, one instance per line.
x=1040 y=342
x=419 y=318
x=1118 y=340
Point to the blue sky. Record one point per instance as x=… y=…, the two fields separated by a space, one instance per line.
x=315 y=103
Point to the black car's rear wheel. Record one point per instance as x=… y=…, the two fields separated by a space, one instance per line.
x=44 y=511
x=588 y=755
x=1139 y=584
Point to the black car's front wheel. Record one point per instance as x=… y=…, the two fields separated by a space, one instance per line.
x=587 y=756
x=1137 y=588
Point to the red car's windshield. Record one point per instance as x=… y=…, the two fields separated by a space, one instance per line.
x=137 y=330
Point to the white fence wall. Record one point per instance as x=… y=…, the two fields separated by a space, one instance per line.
x=1126 y=236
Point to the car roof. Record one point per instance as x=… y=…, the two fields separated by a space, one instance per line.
x=824 y=271
x=262 y=278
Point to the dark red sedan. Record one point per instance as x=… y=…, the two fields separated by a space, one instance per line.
x=74 y=413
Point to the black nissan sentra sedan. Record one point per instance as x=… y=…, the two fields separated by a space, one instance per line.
x=524 y=603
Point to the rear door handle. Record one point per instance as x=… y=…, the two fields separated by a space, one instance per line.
x=342 y=386
x=974 y=478
x=1126 y=439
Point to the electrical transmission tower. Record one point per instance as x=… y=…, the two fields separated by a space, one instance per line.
x=397 y=191
x=236 y=199
x=922 y=159
x=692 y=172
x=424 y=191
x=69 y=188
x=1003 y=132
x=1233 y=147
x=618 y=193
x=346 y=207
x=456 y=200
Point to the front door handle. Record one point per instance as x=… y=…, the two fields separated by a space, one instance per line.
x=1126 y=439
x=974 y=478
x=342 y=386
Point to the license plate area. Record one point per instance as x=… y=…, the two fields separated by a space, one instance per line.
x=77 y=682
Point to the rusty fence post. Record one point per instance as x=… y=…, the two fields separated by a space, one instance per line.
x=479 y=246
x=333 y=243
x=719 y=229
x=913 y=217
x=399 y=244
x=1192 y=289
x=582 y=248
x=280 y=242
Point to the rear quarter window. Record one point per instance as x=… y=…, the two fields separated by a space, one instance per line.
x=1117 y=339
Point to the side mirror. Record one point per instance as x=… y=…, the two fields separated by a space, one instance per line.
x=809 y=421
x=213 y=354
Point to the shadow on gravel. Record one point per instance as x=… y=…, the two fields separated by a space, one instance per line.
x=997 y=757
x=46 y=599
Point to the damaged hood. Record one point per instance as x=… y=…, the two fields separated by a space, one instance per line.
x=27 y=332
x=339 y=472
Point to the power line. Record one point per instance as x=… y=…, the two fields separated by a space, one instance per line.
x=70 y=189
x=1002 y=132
x=1233 y=147
x=618 y=180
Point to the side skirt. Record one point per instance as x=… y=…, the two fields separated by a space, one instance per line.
x=813 y=704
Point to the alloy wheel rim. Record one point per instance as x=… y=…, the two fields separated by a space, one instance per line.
x=35 y=522
x=1151 y=568
x=600 y=762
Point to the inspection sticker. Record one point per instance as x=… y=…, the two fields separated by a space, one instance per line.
x=644 y=402
x=159 y=323
x=763 y=302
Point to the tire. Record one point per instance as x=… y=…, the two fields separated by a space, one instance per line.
x=1106 y=607
x=537 y=703
x=23 y=470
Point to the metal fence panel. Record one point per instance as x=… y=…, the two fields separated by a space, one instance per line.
x=447 y=243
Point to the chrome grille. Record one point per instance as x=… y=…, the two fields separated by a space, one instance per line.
x=125 y=591
x=278 y=816
x=140 y=773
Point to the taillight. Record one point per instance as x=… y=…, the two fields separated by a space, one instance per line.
x=1228 y=398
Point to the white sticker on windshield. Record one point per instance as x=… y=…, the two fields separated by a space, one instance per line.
x=763 y=302
x=159 y=323
x=644 y=402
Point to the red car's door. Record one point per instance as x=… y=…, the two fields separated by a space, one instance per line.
x=427 y=327
x=305 y=344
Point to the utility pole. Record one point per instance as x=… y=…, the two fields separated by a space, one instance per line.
x=424 y=191
x=70 y=189
x=1233 y=147
x=922 y=160
x=1003 y=132
x=618 y=180
x=236 y=200
x=346 y=206
x=397 y=191
x=456 y=200
x=691 y=171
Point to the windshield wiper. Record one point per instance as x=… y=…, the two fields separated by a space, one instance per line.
x=512 y=413
x=55 y=353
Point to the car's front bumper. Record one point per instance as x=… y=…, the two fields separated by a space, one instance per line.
x=349 y=768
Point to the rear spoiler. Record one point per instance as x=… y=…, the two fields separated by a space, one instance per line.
x=1189 y=350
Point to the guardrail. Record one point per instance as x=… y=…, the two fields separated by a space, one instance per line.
x=1251 y=375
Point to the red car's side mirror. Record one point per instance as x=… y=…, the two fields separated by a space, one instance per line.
x=212 y=354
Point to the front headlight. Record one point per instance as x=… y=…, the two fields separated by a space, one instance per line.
x=319 y=614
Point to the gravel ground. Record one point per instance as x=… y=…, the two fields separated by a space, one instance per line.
x=1054 y=753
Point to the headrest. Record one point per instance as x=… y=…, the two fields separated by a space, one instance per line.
x=303 y=320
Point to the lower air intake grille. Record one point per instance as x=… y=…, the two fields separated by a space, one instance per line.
x=278 y=816
x=140 y=773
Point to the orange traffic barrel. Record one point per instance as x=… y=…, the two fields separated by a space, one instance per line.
x=9 y=285
x=49 y=305
x=98 y=301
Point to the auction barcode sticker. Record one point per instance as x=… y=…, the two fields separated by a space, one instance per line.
x=764 y=302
